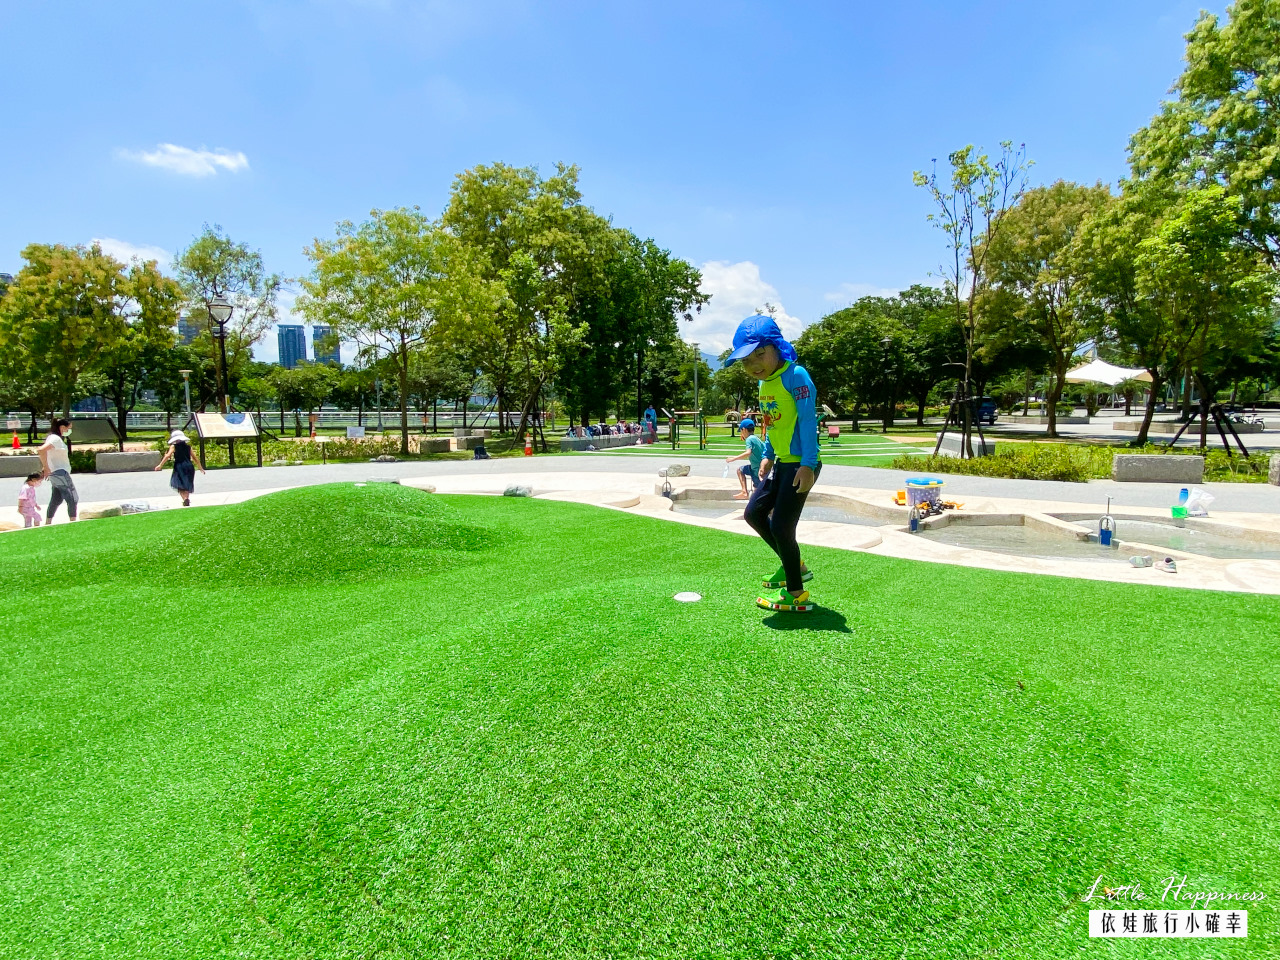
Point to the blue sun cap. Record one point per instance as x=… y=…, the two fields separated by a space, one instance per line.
x=746 y=423
x=756 y=330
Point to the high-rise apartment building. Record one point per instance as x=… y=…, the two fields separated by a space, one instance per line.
x=293 y=344
x=323 y=354
x=187 y=331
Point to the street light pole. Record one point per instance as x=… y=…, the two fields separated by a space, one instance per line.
x=220 y=310
x=186 y=389
x=377 y=387
x=886 y=343
x=697 y=408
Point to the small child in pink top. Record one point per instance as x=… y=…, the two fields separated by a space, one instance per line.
x=27 y=505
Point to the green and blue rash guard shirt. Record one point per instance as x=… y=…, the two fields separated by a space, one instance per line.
x=787 y=405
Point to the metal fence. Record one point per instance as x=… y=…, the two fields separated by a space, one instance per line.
x=154 y=420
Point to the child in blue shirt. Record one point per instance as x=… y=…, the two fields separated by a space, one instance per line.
x=755 y=451
x=790 y=464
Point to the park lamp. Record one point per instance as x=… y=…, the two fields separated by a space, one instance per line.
x=220 y=310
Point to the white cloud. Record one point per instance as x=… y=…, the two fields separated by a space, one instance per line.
x=127 y=252
x=737 y=291
x=188 y=162
x=849 y=292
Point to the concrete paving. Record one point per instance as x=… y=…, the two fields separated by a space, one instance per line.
x=1242 y=497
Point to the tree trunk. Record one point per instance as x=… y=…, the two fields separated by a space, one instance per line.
x=1143 y=430
x=282 y=419
x=1055 y=394
x=403 y=376
x=921 y=400
x=1026 y=397
x=122 y=426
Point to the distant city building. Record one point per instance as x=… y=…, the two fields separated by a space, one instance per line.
x=293 y=344
x=6 y=279
x=187 y=330
x=318 y=333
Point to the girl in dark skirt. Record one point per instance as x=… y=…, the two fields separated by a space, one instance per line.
x=184 y=466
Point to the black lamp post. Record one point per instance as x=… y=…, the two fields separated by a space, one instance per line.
x=220 y=310
x=886 y=343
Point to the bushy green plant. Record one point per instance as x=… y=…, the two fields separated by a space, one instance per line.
x=336 y=449
x=83 y=461
x=1025 y=461
x=1080 y=463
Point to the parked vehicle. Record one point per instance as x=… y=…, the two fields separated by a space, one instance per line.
x=984 y=410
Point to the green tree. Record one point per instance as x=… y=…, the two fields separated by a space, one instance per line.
x=644 y=293
x=546 y=252
x=305 y=387
x=1034 y=283
x=58 y=318
x=354 y=390
x=442 y=372
x=148 y=304
x=1180 y=288
x=926 y=344
x=1224 y=125
x=971 y=209
x=213 y=267
x=388 y=284
x=26 y=389
x=1213 y=290
x=846 y=354
x=734 y=384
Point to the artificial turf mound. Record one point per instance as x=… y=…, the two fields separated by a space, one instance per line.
x=375 y=722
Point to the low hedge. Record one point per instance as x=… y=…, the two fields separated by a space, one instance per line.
x=1079 y=463
x=339 y=448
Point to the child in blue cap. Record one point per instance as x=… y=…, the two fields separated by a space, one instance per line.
x=790 y=466
x=754 y=452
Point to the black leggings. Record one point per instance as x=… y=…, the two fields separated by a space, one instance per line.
x=63 y=490
x=773 y=512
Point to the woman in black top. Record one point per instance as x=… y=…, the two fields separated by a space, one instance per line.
x=184 y=466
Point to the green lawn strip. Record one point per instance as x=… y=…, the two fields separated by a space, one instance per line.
x=863 y=450
x=525 y=748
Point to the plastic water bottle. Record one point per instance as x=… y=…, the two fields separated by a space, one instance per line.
x=725 y=474
x=1183 y=494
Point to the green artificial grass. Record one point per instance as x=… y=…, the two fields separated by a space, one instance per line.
x=373 y=722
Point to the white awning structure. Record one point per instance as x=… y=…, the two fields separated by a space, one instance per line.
x=1099 y=371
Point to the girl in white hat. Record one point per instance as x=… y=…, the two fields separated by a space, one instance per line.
x=184 y=466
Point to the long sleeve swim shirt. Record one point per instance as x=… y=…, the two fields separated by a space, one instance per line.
x=787 y=401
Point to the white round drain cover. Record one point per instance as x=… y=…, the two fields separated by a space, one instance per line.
x=688 y=597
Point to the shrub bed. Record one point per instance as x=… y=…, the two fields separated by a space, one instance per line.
x=1079 y=463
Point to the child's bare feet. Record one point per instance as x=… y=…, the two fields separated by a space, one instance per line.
x=741 y=496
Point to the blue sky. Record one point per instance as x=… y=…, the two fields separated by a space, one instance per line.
x=770 y=143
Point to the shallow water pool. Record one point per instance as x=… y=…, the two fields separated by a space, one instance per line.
x=718 y=509
x=1020 y=541
x=1190 y=539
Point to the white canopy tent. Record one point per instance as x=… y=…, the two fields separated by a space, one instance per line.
x=1099 y=371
